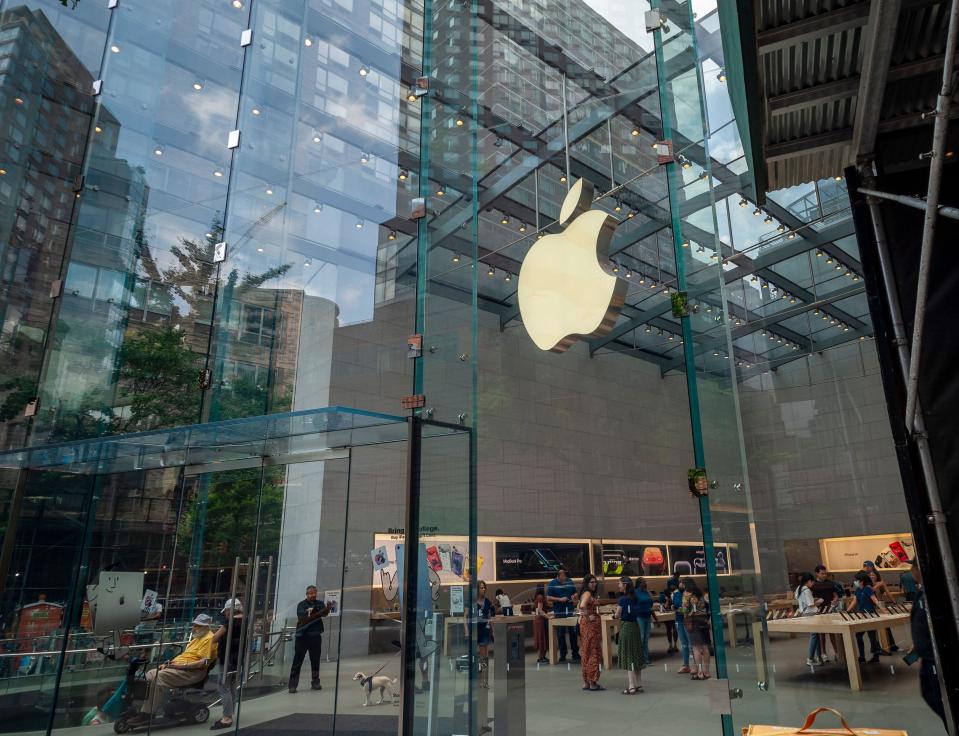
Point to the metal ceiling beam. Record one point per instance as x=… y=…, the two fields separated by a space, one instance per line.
x=803 y=146
x=826 y=345
x=880 y=39
x=821 y=239
x=833 y=21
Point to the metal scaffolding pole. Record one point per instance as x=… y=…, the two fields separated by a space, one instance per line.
x=936 y=516
x=914 y=202
x=932 y=211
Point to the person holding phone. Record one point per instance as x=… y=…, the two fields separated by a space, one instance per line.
x=308 y=638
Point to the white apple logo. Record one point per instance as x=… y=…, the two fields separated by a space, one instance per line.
x=567 y=290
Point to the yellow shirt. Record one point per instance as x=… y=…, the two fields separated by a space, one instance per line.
x=199 y=648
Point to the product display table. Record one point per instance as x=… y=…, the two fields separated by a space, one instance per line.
x=833 y=623
x=554 y=623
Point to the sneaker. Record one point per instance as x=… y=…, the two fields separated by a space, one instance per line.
x=811 y=662
x=822 y=659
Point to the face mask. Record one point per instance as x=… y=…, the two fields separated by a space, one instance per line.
x=858 y=583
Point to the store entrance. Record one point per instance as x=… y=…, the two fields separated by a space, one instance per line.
x=280 y=538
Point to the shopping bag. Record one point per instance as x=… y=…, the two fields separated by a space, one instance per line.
x=843 y=730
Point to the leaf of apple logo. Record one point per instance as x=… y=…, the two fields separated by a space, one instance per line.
x=566 y=288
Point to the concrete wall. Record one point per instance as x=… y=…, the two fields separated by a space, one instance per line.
x=821 y=455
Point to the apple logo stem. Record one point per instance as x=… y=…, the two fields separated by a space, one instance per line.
x=567 y=290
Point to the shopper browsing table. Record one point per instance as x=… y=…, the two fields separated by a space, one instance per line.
x=644 y=610
x=666 y=604
x=631 y=656
x=308 y=638
x=540 y=624
x=679 y=601
x=561 y=593
x=696 y=621
x=830 y=593
x=484 y=635
x=809 y=605
x=865 y=602
x=882 y=593
x=590 y=633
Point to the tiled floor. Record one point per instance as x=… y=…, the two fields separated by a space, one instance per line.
x=672 y=704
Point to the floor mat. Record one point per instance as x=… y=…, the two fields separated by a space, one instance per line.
x=296 y=724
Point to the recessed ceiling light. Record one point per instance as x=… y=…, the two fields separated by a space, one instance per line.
x=115 y=49
x=218 y=172
x=198 y=85
x=237 y=4
x=158 y=151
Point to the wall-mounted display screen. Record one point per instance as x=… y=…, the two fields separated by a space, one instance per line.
x=535 y=560
x=643 y=559
x=691 y=559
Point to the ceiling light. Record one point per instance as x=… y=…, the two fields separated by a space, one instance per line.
x=404 y=175
x=307 y=263
x=359 y=223
x=317 y=207
x=364 y=70
x=634 y=132
x=504 y=220
x=491 y=272
x=829 y=260
x=218 y=172
x=440 y=192
x=115 y=49
x=781 y=228
x=722 y=75
x=317 y=136
x=818 y=254
x=411 y=95
x=509 y=277
x=259 y=249
x=855 y=277
x=768 y=219
x=687 y=164
x=237 y=4
x=618 y=207
x=391 y=235
x=792 y=300
x=522 y=227
x=459 y=122
x=825 y=317
x=255 y=110
x=652 y=284
x=753 y=278
x=765 y=285
x=629 y=274
x=671 y=337
x=816 y=312
x=364 y=157
x=630 y=215
x=845 y=328
x=648 y=328
x=743 y=202
x=839 y=266
x=3 y=172
x=269 y=189
x=838 y=178
x=791 y=235
x=562 y=178
x=615 y=267
x=757 y=212
x=307 y=41
x=456 y=258
x=98 y=129
x=158 y=150
x=198 y=85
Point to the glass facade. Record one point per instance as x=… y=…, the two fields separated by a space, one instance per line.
x=240 y=238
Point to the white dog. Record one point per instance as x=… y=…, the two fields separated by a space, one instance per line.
x=375 y=682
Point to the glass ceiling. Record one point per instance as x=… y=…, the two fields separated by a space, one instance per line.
x=274 y=439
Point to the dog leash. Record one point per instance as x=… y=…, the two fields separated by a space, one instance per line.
x=368 y=680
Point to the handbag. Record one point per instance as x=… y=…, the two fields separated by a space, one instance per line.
x=807 y=728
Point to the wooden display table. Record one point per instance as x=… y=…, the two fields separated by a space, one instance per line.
x=832 y=623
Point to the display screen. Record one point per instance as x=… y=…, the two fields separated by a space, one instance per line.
x=633 y=560
x=691 y=559
x=539 y=560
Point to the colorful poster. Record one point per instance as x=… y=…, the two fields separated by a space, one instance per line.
x=647 y=559
x=888 y=551
x=331 y=598
x=691 y=559
x=456 y=600
x=380 y=558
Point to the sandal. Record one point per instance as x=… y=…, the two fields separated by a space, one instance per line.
x=638 y=689
x=629 y=691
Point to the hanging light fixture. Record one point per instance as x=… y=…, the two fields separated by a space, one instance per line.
x=743 y=202
x=359 y=223
x=722 y=75
x=491 y=272
x=392 y=235
x=522 y=227
x=757 y=212
x=317 y=208
x=404 y=175
x=456 y=258
x=504 y=220
x=364 y=70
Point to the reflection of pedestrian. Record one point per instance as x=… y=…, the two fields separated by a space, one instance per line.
x=922 y=646
x=308 y=638
x=229 y=658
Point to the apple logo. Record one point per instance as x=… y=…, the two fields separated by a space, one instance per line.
x=567 y=290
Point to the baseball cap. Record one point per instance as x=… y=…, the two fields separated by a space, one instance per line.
x=870 y=563
x=203 y=620
x=234 y=604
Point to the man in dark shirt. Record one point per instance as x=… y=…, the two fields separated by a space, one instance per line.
x=308 y=638
x=561 y=592
x=825 y=589
x=922 y=646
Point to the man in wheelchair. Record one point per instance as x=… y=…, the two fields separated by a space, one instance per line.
x=190 y=667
